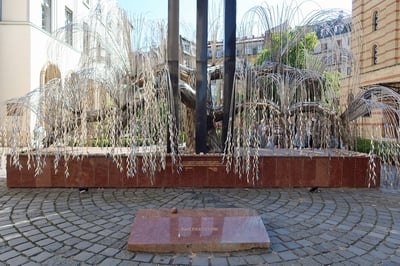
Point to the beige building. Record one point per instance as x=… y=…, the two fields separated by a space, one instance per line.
x=334 y=46
x=379 y=54
x=28 y=48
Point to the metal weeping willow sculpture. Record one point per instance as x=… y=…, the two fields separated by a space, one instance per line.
x=125 y=100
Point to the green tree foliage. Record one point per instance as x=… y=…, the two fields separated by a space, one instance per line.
x=332 y=80
x=289 y=48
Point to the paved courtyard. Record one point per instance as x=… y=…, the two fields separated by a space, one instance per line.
x=65 y=227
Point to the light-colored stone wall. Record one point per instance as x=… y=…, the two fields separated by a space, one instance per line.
x=386 y=70
x=386 y=38
x=25 y=48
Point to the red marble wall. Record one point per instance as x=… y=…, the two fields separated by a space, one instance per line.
x=198 y=171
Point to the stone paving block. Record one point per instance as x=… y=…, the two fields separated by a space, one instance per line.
x=54 y=233
x=72 y=241
x=83 y=245
x=125 y=255
x=42 y=256
x=278 y=247
x=309 y=261
x=334 y=257
x=292 y=245
x=386 y=249
x=327 y=237
x=300 y=253
x=345 y=254
x=161 y=259
x=95 y=259
x=8 y=255
x=96 y=248
x=372 y=259
x=32 y=251
x=11 y=236
x=53 y=247
x=62 y=237
x=110 y=262
x=181 y=260
x=71 y=252
x=236 y=261
x=119 y=244
x=254 y=259
x=38 y=237
x=360 y=261
x=45 y=242
x=119 y=235
x=78 y=233
x=131 y=263
x=47 y=229
x=109 y=252
x=325 y=247
x=143 y=257
x=105 y=232
x=196 y=261
x=311 y=251
x=393 y=240
x=57 y=260
x=31 y=263
x=288 y=256
x=83 y=256
x=219 y=261
x=395 y=259
x=24 y=246
x=390 y=245
x=304 y=243
x=16 y=241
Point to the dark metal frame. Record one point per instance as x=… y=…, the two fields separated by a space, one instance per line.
x=201 y=64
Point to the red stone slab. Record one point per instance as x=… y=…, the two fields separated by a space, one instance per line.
x=196 y=230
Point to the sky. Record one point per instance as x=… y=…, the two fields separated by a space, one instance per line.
x=158 y=9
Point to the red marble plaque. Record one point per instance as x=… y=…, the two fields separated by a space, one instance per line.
x=195 y=230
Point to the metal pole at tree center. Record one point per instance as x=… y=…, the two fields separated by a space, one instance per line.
x=173 y=65
x=229 y=66
x=201 y=76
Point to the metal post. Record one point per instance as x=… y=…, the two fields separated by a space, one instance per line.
x=229 y=65
x=173 y=65
x=201 y=76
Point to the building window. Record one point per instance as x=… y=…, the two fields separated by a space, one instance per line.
x=375 y=54
x=46 y=15
x=376 y=20
x=186 y=46
x=85 y=43
x=68 y=26
x=0 y=9
x=209 y=53
x=339 y=43
x=248 y=51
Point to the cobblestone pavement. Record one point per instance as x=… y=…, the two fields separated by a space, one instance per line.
x=65 y=227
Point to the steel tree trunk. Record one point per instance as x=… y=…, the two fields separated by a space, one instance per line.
x=201 y=76
x=229 y=66
x=173 y=65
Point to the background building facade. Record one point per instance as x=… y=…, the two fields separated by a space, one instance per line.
x=26 y=28
x=27 y=35
x=379 y=55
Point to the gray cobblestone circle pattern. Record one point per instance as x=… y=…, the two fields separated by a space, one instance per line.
x=333 y=227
